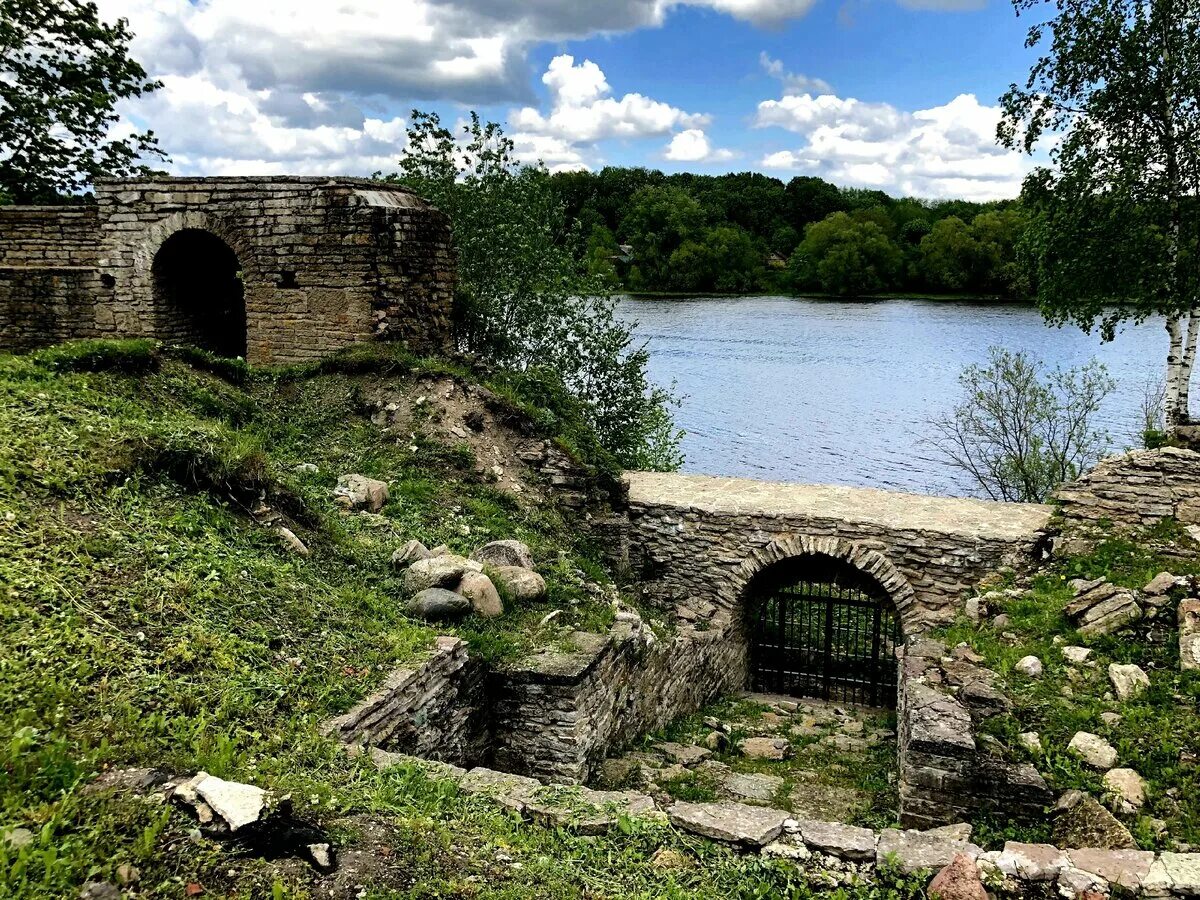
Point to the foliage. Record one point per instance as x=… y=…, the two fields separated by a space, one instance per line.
x=526 y=299
x=1114 y=225
x=842 y=255
x=1020 y=431
x=62 y=73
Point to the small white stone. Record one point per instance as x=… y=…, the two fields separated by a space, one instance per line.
x=1031 y=741
x=1030 y=667
x=1128 y=680
x=1093 y=750
x=1076 y=655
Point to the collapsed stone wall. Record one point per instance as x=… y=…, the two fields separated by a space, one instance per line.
x=946 y=774
x=1135 y=490
x=324 y=263
x=559 y=714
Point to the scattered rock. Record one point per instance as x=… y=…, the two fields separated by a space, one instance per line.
x=237 y=804
x=306 y=469
x=914 y=851
x=958 y=881
x=482 y=595
x=1088 y=824
x=1127 y=788
x=583 y=810
x=509 y=790
x=752 y=786
x=437 y=605
x=1183 y=871
x=735 y=823
x=1093 y=750
x=1031 y=741
x=1189 y=635
x=1031 y=862
x=1076 y=884
x=765 y=748
x=1111 y=719
x=1002 y=621
x=409 y=554
x=842 y=841
x=684 y=754
x=522 y=585
x=16 y=838
x=504 y=553
x=360 y=492
x=1160 y=584
x=960 y=831
x=1101 y=607
x=290 y=540
x=443 y=571
x=1030 y=667
x=1127 y=680
x=1076 y=656
x=99 y=890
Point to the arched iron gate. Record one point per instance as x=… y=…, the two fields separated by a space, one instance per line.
x=818 y=627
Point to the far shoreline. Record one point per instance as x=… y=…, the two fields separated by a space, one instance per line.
x=988 y=299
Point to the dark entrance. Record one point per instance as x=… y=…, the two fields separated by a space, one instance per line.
x=819 y=627
x=198 y=292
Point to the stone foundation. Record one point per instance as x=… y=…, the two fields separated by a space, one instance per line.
x=1135 y=490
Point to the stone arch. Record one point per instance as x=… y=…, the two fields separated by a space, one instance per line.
x=193 y=276
x=870 y=562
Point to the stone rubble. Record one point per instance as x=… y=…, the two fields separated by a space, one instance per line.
x=1093 y=750
x=1127 y=680
x=358 y=492
x=504 y=553
x=1101 y=607
x=1189 y=635
x=735 y=823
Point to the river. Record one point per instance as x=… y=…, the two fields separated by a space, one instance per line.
x=826 y=391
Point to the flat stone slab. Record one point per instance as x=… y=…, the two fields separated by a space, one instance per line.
x=734 y=823
x=752 y=786
x=584 y=810
x=513 y=791
x=913 y=851
x=1183 y=869
x=684 y=754
x=1031 y=862
x=238 y=804
x=1126 y=868
x=842 y=841
x=888 y=509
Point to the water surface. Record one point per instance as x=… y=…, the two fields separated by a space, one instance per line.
x=838 y=392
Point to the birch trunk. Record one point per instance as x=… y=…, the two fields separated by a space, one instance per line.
x=1171 y=395
x=1189 y=364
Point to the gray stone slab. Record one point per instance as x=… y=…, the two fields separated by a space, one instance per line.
x=735 y=823
x=1031 y=862
x=843 y=841
x=1126 y=868
x=1184 y=872
x=752 y=786
x=584 y=810
x=914 y=851
x=510 y=790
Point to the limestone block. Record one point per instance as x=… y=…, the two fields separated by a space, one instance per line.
x=1125 y=868
x=913 y=851
x=443 y=571
x=1093 y=750
x=504 y=553
x=735 y=823
x=842 y=841
x=1189 y=634
x=1031 y=862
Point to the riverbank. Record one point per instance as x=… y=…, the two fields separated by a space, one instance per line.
x=816 y=295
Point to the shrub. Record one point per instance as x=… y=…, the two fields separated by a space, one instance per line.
x=131 y=357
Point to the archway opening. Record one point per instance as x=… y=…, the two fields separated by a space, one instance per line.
x=820 y=627
x=198 y=292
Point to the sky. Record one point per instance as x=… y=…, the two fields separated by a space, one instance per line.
x=899 y=95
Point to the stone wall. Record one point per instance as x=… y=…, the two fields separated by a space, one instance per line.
x=946 y=775
x=698 y=541
x=558 y=714
x=436 y=709
x=1135 y=490
x=324 y=263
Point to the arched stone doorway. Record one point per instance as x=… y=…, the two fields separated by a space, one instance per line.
x=198 y=292
x=823 y=618
x=819 y=627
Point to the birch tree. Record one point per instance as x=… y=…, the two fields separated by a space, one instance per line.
x=1114 y=235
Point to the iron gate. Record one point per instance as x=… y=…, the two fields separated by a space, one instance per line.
x=820 y=628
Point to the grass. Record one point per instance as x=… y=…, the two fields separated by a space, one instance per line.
x=1158 y=734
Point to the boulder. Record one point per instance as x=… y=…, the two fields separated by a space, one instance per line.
x=361 y=492
x=958 y=881
x=1093 y=750
x=843 y=841
x=99 y=890
x=235 y=804
x=765 y=748
x=1127 y=789
x=1030 y=667
x=1189 y=635
x=437 y=605
x=1088 y=824
x=482 y=595
x=1182 y=872
x=734 y=823
x=914 y=851
x=504 y=553
x=409 y=554
x=443 y=571
x=521 y=584
x=1127 y=680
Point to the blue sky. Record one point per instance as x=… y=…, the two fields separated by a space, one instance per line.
x=873 y=93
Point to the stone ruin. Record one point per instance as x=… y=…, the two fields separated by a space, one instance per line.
x=277 y=270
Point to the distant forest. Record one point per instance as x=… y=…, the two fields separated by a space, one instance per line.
x=647 y=231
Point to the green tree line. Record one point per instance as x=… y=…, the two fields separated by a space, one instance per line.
x=648 y=231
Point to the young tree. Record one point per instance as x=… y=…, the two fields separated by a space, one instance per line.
x=1020 y=431
x=1115 y=232
x=62 y=73
x=525 y=299
x=844 y=256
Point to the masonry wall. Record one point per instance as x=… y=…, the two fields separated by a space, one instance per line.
x=686 y=559
x=559 y=715
x=945 y=775
x=1135 y=490
x=325 y=263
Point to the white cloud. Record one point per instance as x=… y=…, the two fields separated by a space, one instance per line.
x=944 y=151
x=792 y=82
x=693 y=145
